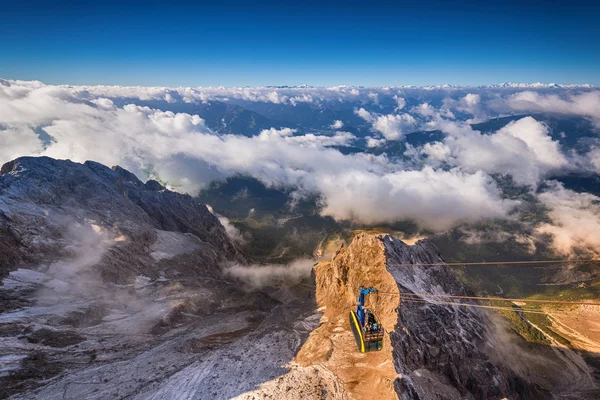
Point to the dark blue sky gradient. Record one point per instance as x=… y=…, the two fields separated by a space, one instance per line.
x=315 y=42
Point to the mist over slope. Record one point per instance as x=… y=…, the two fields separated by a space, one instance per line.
x=45 y=201
x=111 y=286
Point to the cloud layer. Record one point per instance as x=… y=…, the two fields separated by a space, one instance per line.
x=523 y=149
x=576 y=220
x=439 y=183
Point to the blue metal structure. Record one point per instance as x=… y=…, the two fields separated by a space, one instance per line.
x=360 y=307
x=367 y=330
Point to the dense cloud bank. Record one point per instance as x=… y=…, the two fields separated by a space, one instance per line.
x=438 y=184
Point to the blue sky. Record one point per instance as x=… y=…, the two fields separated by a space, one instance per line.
x=239 y=43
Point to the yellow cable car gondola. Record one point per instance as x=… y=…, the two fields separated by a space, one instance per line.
x=367 y=330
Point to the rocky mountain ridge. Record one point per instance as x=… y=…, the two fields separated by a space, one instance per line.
x=435 y=348
x=42 y=200
x=113 y=288
x=110 y=280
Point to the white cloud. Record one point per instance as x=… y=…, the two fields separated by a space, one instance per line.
x=437 y=151
x=537 y=138
x=310 y=139
x=436 y=199
x=481 y=102
x=586 y=104
x=425 y=109
x=472 y=99
x=364 y=114
x=594 y=158
x=234 y=233
x=400 y=101
x=259 y=276
x=302 y=98
x=374 y=97
x=180 y=149
x=337 y=124
x=522 y=148
x=477 y=237
x=87 y=123
x=18 y=140
x=576 y=220
x=430 y=112
x=391 y=126
x=471 y=103
x=104 y=103
x=267 y=134
x=395 y=127
x=374 y=142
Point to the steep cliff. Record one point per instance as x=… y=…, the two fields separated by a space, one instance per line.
x=113 y=282
x=113 y=288
x=440 y=350
x=44 y=203
x=432 y=351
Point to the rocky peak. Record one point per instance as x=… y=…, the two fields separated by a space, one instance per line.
x=126 y=176
x=433 y=351
x=41 y=198
x=154 y=185
x=8 y=167
x=115 y=289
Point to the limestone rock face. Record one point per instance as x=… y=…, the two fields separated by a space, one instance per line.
x=432 y=351
x=439 y=348
x=113 y=288
x=332 y=345
x=45 y=204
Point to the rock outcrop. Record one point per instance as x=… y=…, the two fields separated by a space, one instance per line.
x=45 y=202
x=113 y=288
x=432 y=350
x=440 y=350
